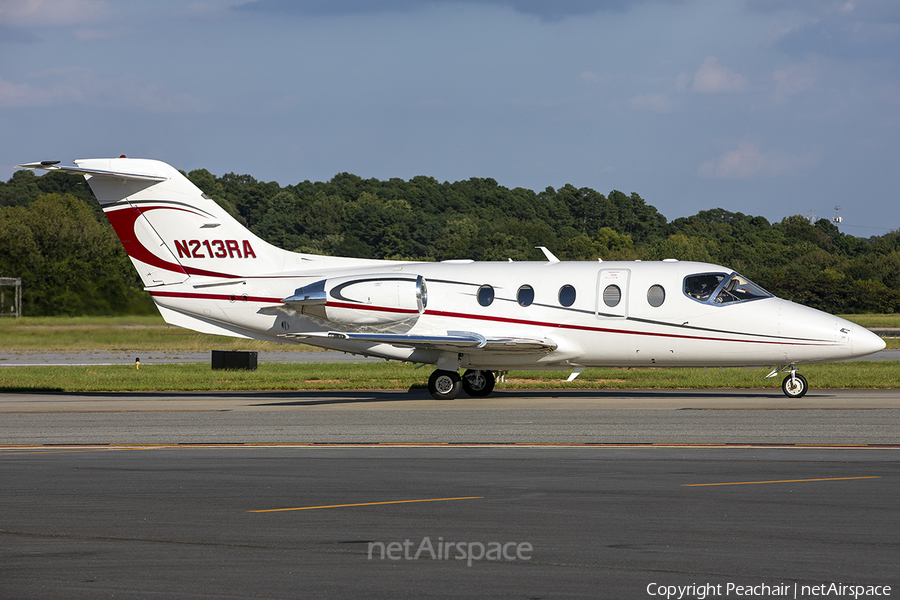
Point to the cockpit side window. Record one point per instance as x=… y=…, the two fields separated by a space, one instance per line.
x=702 y=287
x=739 y=289
x=722 y=288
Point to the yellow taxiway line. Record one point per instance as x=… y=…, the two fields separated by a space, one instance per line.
x=780 y=481
x=364 y=504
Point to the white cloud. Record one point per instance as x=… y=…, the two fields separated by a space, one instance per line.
x=867 y=30
x=153 y=97
x=18 y=95
x=748 y=161
x=546 y=11
x=712 y=78
x=793 y=80
x=652 y=102
x=80 y=86
x=210 y=10
x=19 y=13
x=84 y=35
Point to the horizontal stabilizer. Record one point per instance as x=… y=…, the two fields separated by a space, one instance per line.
x=49 y=165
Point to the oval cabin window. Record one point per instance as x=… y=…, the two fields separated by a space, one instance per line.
x=612 y=295
x=485 y=295
x=525 y=295
x=567 y=295
x=656 y=295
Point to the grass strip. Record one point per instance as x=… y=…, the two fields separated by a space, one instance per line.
x=147 y=334
x=874 y=320
x=400 y=376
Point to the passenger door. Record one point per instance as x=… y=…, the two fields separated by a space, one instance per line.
x=612 y=294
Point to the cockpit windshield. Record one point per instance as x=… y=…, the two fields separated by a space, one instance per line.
x=722 y=288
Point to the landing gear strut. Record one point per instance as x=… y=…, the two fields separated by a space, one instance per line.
x=444 y=385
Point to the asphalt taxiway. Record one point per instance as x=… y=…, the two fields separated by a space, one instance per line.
x=267 y=522
x=539 y=494
x=506 y=417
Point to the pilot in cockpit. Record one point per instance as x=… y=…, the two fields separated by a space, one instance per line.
x=702 y=287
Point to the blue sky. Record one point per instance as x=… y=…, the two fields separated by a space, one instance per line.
x=766 y=107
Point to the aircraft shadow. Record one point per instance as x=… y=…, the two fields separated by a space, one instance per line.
x=319 y=398
x=301 y=398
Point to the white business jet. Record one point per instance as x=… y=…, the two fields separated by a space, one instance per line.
x=208 y=273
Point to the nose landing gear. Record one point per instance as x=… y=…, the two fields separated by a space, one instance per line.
x=794 y=385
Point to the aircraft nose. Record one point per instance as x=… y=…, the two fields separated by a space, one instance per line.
x=835 y=338
x=863 y=342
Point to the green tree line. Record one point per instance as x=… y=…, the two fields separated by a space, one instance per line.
x=54 y=236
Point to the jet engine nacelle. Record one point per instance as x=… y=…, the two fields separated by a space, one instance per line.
x=362 y=299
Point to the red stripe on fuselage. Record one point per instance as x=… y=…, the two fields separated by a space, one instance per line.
x=438 y=313
x=228 y=297
x=493 y=319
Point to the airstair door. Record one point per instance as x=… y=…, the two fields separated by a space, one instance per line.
x=612 y=293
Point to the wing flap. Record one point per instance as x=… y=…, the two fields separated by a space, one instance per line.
x=454 y=341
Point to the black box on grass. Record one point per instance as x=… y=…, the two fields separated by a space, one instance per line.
x=232 y=359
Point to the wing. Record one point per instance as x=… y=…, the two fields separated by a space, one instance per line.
x=454 y=341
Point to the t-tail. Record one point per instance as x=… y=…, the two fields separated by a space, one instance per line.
x=170 y=229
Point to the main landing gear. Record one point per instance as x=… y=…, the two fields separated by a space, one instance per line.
x=794 y=385
x=445 y=385
x=478 y=383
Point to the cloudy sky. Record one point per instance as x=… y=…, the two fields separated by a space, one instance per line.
x=766 y=107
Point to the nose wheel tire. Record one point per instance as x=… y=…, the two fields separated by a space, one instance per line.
x=444 y=385
x=795 y=386
x=478 y=383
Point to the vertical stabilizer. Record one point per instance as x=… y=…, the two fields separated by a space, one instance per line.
x=173 y=232
x=169 y=228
